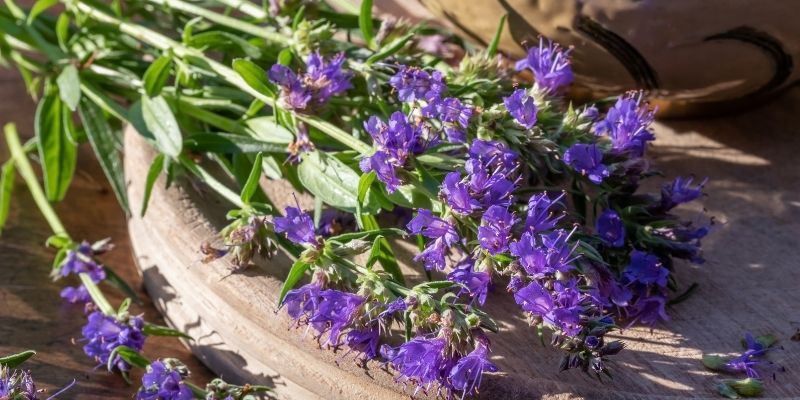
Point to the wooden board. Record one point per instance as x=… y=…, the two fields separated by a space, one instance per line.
x=749 y=283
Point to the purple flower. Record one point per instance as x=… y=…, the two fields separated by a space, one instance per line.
x=298 y=227
x=626 y=124
x=493 y=155
x=419 y=360
x=476 y=283
x=748 y=361
x=680 y=191
x=648 y=310
x=610 y=228
x=302 y=302
x=444 y=236
x=395 y=141
x=364 y=341
x=456 y=193
x=647 y=269
x=467 y=374
x=684 y=240
x=562 y=312
x=399 y=304
x=607 y=291
x=549 y=64
x=335 y=311
x=522 y=107
x=489 y=187
x=450 y=110
x=80 y=260
x=384 y=168
x=161 y=382
x=316 y=86
x=544 y=254
x=414 y=84
x=587 y=160
x=17 y=385
x=105 y=333
x=495 y=230
x=75 y=295
x=541 y=214
x=302 y=144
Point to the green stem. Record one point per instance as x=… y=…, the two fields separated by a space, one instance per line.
x=26 y=171
x=245 y=7
x=211 y=181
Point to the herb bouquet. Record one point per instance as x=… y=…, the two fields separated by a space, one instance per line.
x=502 y=183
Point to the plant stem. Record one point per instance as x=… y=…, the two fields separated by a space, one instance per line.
x=245 y=7
x=26 y=171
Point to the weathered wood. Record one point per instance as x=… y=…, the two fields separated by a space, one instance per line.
x=748 y=284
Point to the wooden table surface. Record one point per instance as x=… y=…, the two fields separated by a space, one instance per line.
x=32 y=315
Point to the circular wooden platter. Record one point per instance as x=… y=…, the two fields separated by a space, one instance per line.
x=749 y=284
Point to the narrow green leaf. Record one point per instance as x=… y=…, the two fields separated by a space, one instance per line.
x=367 y=235
x=231 y=144
x=162 y=125
x=57 y=153
x=491 y=51
x=249 y=188
x=285 y=56
x=268 y=130
x=385 y=254
x=254 y=76
x=69 y=86
x=156 y=76
x=15 y=360
x=129 y=355
x=365 y=23
x=6 y=189
x=390 y=49
x=224 y=41
x=62 y=31
x=158 y=330
x=152 y=176
x=296 y=273
x=124 y=306
x=118 y=283
x=39 y=7
x=103 y=141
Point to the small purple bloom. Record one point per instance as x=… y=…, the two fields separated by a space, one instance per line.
x=542 y=215
x=522 y=107
x=399 y=304
x=748 y=361
x=315 y=86
x=544 y=254
x=610 y=228
x=414 y=84
x=364 y=341
x=443 y=233
x=680 y=191
x=476 y=283
x=626 y=124
x=297 y=225
x=684 y=240
x=493 y=155
x=489 y=187
x=495 y=230
x=647 y=269
x=587 y=159
x=384 y=168
x=450 y=110
x=163 y=383
x=105 y=333
x=592 y=342
x=75 y=295
x=302 y=302
x=456 y=193
x=467 y=374
x=335 y=312
x=648 y=310
x=80 y=260
x=17 y=385
x=419 y=360
x=550 y=65
x=562 y=312
x=395 y=140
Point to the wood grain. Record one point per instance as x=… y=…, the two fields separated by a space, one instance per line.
x=749 y=283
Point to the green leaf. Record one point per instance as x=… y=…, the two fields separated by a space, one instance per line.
x=492 y=49
x=69 y=86
x=367 y=235
x=6 y=189
x=331 y=180
x=249 y=188
x=57 y=153
x=152 y=176
x=385 y=253
x=158 y=330
x=161 y=125
x=156 y=76
x=390 y=49
x=285 y=56
x=15 y=360
x=268 y=130
x=299 y=269
x=254 y=76
x=124 y=306
x=39 y=7
x=226 y=41
x=231 y=144
x=103 y=141
x=129 y=355
x=118 y=283
x=365 y=23
x=62 y=31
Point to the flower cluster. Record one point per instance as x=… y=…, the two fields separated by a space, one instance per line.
x=104 y=333
x=17 y=385
x=307 y=91
x=163 y=380
x=81 y=260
